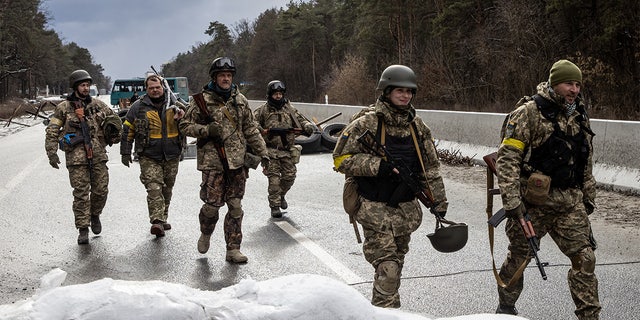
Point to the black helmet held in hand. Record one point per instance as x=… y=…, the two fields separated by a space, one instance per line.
x=450 y=238
x=78 y=76
x=275 y=85
x=222 y=64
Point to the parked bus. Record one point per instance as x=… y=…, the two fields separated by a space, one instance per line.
x=123 y=89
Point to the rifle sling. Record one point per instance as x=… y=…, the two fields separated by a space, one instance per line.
x=490 y=193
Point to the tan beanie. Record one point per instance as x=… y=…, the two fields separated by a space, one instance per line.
x=564 y=71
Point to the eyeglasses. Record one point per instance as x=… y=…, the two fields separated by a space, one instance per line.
x=224 y=62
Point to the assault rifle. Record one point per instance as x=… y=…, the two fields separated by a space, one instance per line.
x=410 y=180
x=529 y=233
x=86 y=135
x=219 y=145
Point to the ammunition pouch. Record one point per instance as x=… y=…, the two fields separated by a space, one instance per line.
x=70 y=141
x=142 y=134
x=537 y=191
x=295 y=150
x=350 y=196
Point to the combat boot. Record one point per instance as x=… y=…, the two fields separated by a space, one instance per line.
x=83 y=237
x=504 y=309
x=203 y=243
x=235 y=256
x=96 y=226
x=283 y=203
x=275 y=212
x=166 y=226
x=157 y=229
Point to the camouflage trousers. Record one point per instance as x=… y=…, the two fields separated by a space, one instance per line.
x=387 y=233
x=89 y=197
x=158 y=177
x=570 y=231
x=216 y=190
x=281 y=174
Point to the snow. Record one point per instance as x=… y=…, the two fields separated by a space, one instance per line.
x=298 y=296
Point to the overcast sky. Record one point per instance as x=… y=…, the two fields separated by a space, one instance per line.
x=128 y=36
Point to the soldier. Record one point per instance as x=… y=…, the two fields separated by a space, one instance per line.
x=544 y=171
x=387 y=229
x=82 y=127
x=222 y=122
x=279 y=122
x=152 y=122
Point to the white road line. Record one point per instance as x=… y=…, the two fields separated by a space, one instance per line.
x=8 y=188
x=343 y=272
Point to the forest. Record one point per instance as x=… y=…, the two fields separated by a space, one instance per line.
x=469 y=55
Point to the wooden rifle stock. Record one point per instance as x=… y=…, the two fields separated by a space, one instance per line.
x=86 y=135
x=202 y=106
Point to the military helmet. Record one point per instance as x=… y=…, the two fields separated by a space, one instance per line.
x=77 y=77
x=222 y=64
x=398 y=76
x=449 y=238
x=275 y=85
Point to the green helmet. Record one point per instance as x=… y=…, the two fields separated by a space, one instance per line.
x=77 y=77
x=450 y=238
x=398 y=76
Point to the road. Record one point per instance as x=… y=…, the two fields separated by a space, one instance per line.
x=314 y=237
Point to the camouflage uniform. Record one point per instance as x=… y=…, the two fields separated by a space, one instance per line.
x=563 y=216
x=158 y=144
x=89 y=196
x=388 y=230
x=237 y=130
x=281 y=171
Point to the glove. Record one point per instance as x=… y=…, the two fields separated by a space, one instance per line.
x=440 y=213
x=309 y=129
x=589 y=207
x=214 y=130
x=516 y=213
x=264 y=163
x=385 y=169
x=111 y=134
x=126 y=159
x=54 y=160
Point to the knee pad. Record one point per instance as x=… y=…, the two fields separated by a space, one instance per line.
x=584 y=261
x=387 y=279
x=210 y=211
x=154 y=190
x=235 y=208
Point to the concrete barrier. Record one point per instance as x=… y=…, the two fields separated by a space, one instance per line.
x=616 y=152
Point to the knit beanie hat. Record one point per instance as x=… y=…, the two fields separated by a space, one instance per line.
x=564 y=71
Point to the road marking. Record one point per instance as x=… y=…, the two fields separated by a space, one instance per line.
x=343 y=272
x=8 y=188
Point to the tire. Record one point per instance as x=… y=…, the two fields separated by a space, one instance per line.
x=311 y=144
x=331 y=134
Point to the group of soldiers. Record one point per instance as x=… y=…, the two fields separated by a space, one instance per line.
x=543 y=167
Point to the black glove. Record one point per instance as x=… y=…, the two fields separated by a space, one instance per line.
x=111 y=134
x=264 y=163
x=385 y=170
x=516 y=213
x=54 y=160
x=589 y=207
x=440 y=214
x=214 y=130
x=309 y=129
x=126 y=159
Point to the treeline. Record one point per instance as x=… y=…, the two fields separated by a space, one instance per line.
x=475 y=55
x=33 y=57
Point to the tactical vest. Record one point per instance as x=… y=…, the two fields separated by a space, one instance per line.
x=562 y=157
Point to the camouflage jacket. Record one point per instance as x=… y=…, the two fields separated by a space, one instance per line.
x=65 y=122
x=239 y=130
x=267 y=117
x=353 y=159
x=527 y=129
x=153 y=129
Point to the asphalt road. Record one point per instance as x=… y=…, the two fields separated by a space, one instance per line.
x=314 y=237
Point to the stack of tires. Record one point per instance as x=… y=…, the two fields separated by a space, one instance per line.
x=323 y=141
